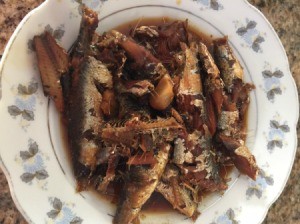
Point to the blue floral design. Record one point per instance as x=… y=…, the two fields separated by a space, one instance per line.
x=24 y=105
x=213 y=4
x=62 y=213
x=229 y=217
x=93 y=3
x=276 y=135
x=250 y=35
x=272 y=84
x=33 y=164
x=259 y=186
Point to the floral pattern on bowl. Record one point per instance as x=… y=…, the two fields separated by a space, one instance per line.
x=33 y=155
x=34 y=166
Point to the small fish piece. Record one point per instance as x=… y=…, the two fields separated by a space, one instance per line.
x=228 y=64
x=137 y=88
x=149 y=31
x=174 y=192
x=130 y=133
x=241 y=156
x=110 y=173
x=53 y=63
x=190 y=83
x=166 y=44
x=85 y=117
x=140 y=183
x=145 y=64
x=213 y=83
x=109 y=103
x=195 y=157
x=189 y=92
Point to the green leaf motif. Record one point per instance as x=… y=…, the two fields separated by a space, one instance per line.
x=28 y=115
x=22 y=90
x=57 y=204
x=278 y=74
x=76 y=220
x=27 y=177
x=267 y=74
x=241 y=31
x=53 y=214
x=271 y=145
x=284 y=128
x=274 y=124
x=14 y=110
x=33 y=148
x=214 y=4
x=251 y=25
x=25 y=155
x=269 y=180
x=41 y=174
x=230 y=214
x=32 y=88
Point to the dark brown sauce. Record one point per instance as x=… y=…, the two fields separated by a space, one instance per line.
x=157 y=203
x=157 y=21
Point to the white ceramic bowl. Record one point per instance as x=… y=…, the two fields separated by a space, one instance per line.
x=33 y=153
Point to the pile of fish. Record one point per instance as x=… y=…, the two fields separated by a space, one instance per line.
x=154 y=111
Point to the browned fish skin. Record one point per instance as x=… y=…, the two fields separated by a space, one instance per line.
x=130 y=134
x=53 y=62
x=230 y=120
x=179 y=196
x=89 y=23
x=164 y=41
x=213 y=83
x=139 y=185
x=84 y=111
x=189 y=93
x=192 y=153
x=145 y=64
x=228 y=64
x=241 y=156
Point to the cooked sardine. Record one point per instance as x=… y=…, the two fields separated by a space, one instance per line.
x=228 y=64
x=53 y=62
x=84 y=110
x=178 y=196
x=213 y=83
x=139 y=185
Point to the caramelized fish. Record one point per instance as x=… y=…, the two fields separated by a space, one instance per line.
x=213 y=83
x=178 y=196
x=229 y=125
x=131 y=133
x=53 y=62
x=139 y=185
x=85 y=117
x=228 y=64
x=148 y=111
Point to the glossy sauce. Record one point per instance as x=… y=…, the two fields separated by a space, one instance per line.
x=128 y=27
x=157 y=203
